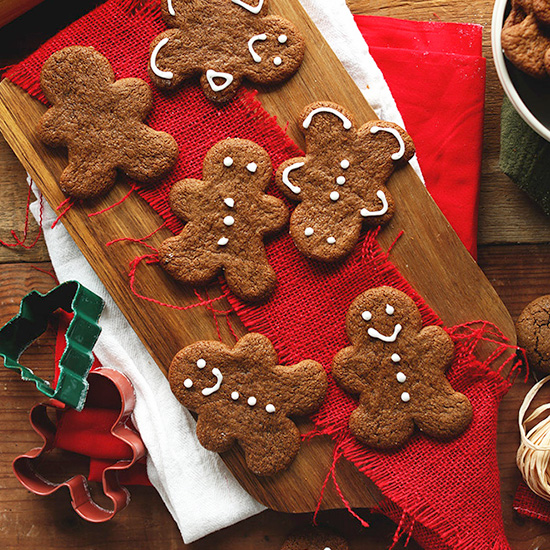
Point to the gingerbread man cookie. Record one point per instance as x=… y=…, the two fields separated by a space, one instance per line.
x=398 y=370
x=100 y=121
x=315 y=539
x=224 y=41
x=242 y=395
x=228 y=215
x=533 y=330
x=526 y=37
x=341 y=182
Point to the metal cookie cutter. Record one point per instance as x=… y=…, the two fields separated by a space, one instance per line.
x=24 y=466
x=32 y=321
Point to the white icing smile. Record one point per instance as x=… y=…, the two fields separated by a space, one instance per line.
x=211 y=75
x=397 y=135
x=171 y=10
x=257 y=58
x=373 y=333
x=219 y=379
x=252 y=9
x=294 y=188
x=368 y=213
x=346 y=122
x=167 y=75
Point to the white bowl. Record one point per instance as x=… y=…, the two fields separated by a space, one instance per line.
x=529 y=96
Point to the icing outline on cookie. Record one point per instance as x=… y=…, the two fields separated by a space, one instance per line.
x=167 y=75
x=171 y=9
x=294 y=188
x=366 y=213
x=219 y=379
x=345 y=120
x=395 y=156
x=257 y=58
x=248 y=7
x=211 y=74
x=373 y=333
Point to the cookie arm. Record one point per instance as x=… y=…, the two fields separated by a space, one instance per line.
x=50 y=129
x=274 y=214
x=291 y=178
x=345 y=370
x=189 y=199
x=436 y=349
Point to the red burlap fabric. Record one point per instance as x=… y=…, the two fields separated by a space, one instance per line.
x=446 y=494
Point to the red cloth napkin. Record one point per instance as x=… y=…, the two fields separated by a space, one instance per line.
x=436 y=74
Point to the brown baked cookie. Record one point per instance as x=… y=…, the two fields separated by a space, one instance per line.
x=341 y=182
x=524 y=41
x=228 y=215
x=224 y=41
x=315 y=539
x=398 y=370
x=100 y=121
x=541 y=9
x=533 y=330
x=242 y=395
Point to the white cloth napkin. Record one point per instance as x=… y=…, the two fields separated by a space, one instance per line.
x=196 y=486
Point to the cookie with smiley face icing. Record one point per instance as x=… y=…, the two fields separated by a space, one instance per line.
x=228 y=214
x=224 y=41
x=243 y=396
x=341 y=182
x=397 y=368
x=315 y=539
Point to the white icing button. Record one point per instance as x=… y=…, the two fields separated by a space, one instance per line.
x=367 y=315
x=252 y=167
x=345 y=164
x=340 y=180
x=223 y=241
x=252 y=401
x=229 y=220
x=282 y=39
x=188 y=383
x=401 y=377
x=334 y=196
x=390 y=310
x=405 y=397
x=235 y=395
x=308 y=231
x=270 y=408
x=228 y=161
x=395 y=358
x=331 y=240
x=229 y=202
x=201 y=363
x=277 y=61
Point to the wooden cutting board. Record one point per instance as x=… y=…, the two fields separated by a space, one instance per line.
x=429 y=255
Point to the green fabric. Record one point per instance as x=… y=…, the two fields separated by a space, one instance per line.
x=525 y=156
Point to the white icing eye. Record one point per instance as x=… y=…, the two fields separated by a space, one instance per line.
x=229 y=202
x=390 y=310
x=188 y=383
x=252 y=401
x=252 y=167
x=340 y=180
x=367 y=315
x=282 y=39
x=235 y=395
x=401 y=378
x=345 y=164
x=395 y=358
x=229 y=220
x=228 y=161
x=223 y=241
x=277 y=61
x=308 y=231
x=331 y=240
x=201 y=363
x=405 y=397
x=334 y=196
x=270 y=408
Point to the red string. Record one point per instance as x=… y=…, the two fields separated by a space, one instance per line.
x=230 y=327
x=114 y=204
x=209 y=307
x=140 y=240
x=153 y=259
x=70 y=203
x=50 y=273
x=399 y=235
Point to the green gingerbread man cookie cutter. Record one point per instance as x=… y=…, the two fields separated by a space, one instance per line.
x=83 y=331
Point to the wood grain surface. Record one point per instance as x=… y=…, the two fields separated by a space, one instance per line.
x=11 y=9
x=518 y=272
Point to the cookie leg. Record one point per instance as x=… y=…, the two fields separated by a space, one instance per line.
x=85 y=178
x=444 y=415
x=251 y=280
x=384 y=429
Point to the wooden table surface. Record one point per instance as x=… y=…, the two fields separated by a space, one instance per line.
x=514 y=252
